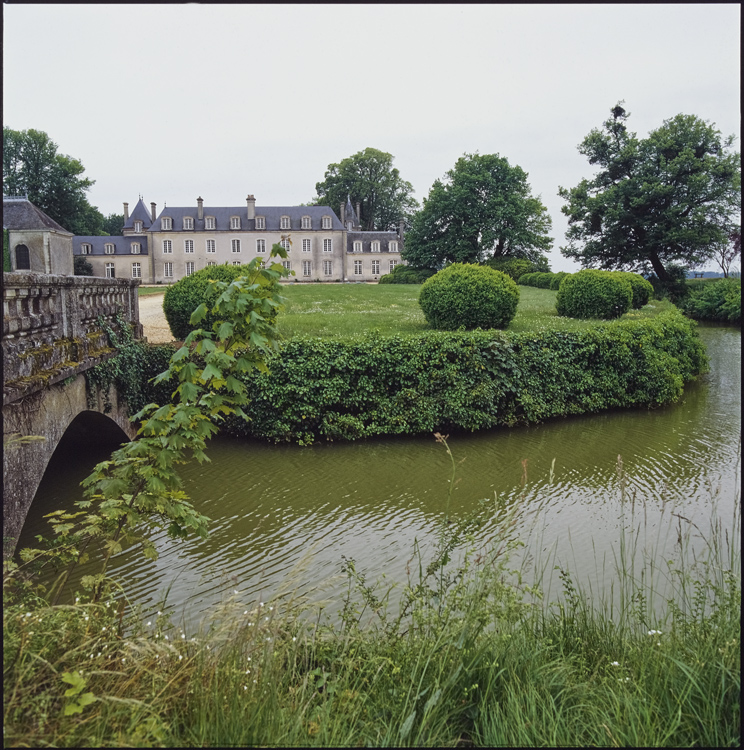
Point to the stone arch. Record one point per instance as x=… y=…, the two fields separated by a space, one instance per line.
x=22 y=258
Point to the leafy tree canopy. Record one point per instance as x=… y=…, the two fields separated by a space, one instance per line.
x=483 y=208
x=53 y=182
x=113 y=224
x=369 y=178
x=671 y=198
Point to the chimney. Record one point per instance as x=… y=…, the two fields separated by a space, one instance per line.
x=152 y=211
x=359 y=213
x=401 y=228
x=251 y=201
x=200 y=208
x=126 y=213
x=343 y=214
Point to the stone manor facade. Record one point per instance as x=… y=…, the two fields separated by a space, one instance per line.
x=163 y=248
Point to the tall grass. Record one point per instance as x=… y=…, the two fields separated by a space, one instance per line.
x=463 y=652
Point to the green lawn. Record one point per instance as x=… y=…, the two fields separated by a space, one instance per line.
x=341 y=310
x=143 y=290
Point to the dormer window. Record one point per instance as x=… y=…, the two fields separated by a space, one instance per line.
x=393 y=246
x=166 y=222
x=284 y=222
x=260 y=222
x=306 y=223
x=209 y=222
x=85 y=248
x=375 y=247
x=357 y=247
x=349 y=225
x=135 y=248
x=108 y=248
x=188 y=222
x=137 y=226
x=235 y=222
x=326 y=222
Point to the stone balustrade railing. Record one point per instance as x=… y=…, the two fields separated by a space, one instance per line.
x=51 y=330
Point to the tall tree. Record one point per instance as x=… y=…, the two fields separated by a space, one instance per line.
x=671 y=198
x=369 y=178
x=483 y=208
x=113 y=224
x=53 y=182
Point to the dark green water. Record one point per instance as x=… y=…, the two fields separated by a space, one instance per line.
x=273 y=505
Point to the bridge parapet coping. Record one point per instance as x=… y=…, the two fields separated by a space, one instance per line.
x=50 y=326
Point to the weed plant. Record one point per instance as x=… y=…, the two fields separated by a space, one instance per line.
x=462 y=653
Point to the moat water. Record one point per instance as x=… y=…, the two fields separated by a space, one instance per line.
x=275 y=506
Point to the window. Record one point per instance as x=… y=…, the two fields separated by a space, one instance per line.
x=375 y=267
x=235 y=222
x=188 y=222
x=286 y=243
x=261 y=246
x=189 y=267
x=110 y=271
x=327 y=246
x=136 y=270
x=306 y=223
x=108 y=248
x=375 y=247
x=211 y=262
x=137 y=226
x=85 y=248
x=166 y=223
x=357 y=247
x=306 y=246
x=393 y=246
x=327 y=267
x=135 y=248
x=209 y=222
x=357 y=267
x=306 y=267
x=284 y=222
x=237 y=263
x=287 y=264
x=260 y=222
x=23 y=258
x=393 y=264
x=168 y=270
x=211 y=246
x=188 y=246
x=326 y=222
x=167 y=246
x=236 y=246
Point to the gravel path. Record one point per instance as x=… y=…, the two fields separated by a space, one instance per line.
x=153 y=319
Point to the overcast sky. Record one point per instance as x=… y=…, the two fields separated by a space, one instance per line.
x=172 y=102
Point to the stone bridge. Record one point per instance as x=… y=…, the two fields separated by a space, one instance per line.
x=51 y=336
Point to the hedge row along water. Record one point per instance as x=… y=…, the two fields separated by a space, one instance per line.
x=405 y=385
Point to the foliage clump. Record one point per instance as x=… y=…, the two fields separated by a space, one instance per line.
x=641 y=288
x=81 y=267
x=514 y=267
x=468 y=296
x=186 y=295
x=715 y=300
x=405 y=274
x=555 y=282
x=594 y=294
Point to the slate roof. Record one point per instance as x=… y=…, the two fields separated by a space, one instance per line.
x=366 y=239
x=272 y=214
x=122 y=245
x=351 y=213
x=140 y=213
x=20 y=213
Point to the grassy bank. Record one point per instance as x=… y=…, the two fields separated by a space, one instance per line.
x=462 y=654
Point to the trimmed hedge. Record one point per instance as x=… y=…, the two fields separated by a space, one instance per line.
x=640 y=287
x=405 y=274
x=514 y=267
x=186 y=295
x=465 y=295
x=557 y=278
x=594 y=294
x=407 y=385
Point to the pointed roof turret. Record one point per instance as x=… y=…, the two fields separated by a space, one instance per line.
x=350 y=214
x=140 y=213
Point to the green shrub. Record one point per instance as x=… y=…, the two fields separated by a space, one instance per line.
x=543 y=280
x=81 y=267
x=675 y=290
x=405 y=274
x=466 y=380
x=715 y=300
x=641 y=288
x=465 y=295
x=594 y=294
x=6 y=252
x=514 y=267
x=555 y=282
x=183 y=297
x=527 y=279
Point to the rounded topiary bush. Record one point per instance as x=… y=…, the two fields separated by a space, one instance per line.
x=527 y=279
x=594 y=294
x=186 y=295
x=542 y=280
x=465 y=295
x=555 y=282
x=405 y=274
x=641 y=288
